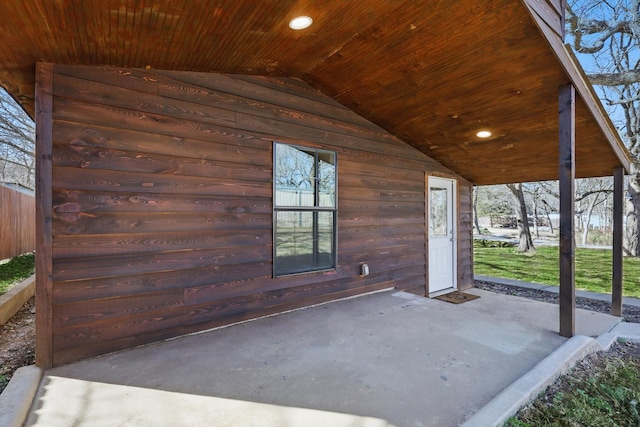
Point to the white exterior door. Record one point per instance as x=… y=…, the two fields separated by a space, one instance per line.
x=442 y=235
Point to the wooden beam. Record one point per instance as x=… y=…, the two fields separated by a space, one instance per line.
x=44 y=290
x=567 y=111
x=563 y=13
x=616 y=280
x=549 y=14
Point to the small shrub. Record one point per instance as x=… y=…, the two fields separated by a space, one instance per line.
x=484 y=243
x=4 y=380
x=514 y=422
x=484 y=231
x=599 y=237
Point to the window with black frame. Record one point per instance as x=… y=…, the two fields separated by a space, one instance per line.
x=304 y=209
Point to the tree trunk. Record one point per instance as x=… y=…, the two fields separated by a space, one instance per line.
x=585 y=230
x=475 y=210
x=550 y=223
x=526 y=242
x=632 y=230
x=579 y=222
x=535 y=219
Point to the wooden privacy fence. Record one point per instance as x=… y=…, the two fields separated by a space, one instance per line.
x=17 y=223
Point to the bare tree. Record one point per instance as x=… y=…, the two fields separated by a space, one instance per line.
x=609 y=32
x=492 y=201
x=536 y=195
x=549 y=200
x=525 y=241
x=593 y=192
x=17 y=143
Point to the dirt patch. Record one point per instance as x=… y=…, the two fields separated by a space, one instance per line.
x=17 y=342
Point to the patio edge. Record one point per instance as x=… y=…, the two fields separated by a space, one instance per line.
x=17 y=398
x=527 y=387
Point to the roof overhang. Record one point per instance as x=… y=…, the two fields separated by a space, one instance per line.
x=432 y=73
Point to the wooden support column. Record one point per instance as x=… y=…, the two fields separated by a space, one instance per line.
x=616 y=280
x=44 y=275
x=567 y=114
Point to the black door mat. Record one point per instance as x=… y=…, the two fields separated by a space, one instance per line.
x=457 y=297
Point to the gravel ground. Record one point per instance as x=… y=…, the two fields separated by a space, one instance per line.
x=629 y=313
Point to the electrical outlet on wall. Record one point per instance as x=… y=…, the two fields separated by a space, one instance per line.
x=364 y=270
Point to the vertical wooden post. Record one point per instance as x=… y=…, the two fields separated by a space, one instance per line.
x=567 y=106
x=616 y=279
x=44 y=285
x=426 y=231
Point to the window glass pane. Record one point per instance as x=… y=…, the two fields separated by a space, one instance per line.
x=327 y=179
x=296 y=242
x=438 y=211
x=304 y=209
x=326 y=257
x=294 y=176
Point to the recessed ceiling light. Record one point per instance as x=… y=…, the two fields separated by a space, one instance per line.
x=300 y=23
x=483 y=134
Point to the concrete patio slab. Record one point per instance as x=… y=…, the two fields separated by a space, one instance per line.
x=390 y=356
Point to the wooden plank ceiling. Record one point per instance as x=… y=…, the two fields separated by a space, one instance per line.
x=432 y=73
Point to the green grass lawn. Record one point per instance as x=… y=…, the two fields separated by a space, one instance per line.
x=593 y=267
x=17 y=269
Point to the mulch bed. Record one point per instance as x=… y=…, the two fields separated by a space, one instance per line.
x=629 y=313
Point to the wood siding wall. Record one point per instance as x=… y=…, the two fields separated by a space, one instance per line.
x=465 y=235
x=17 y=223
x=162 y=204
